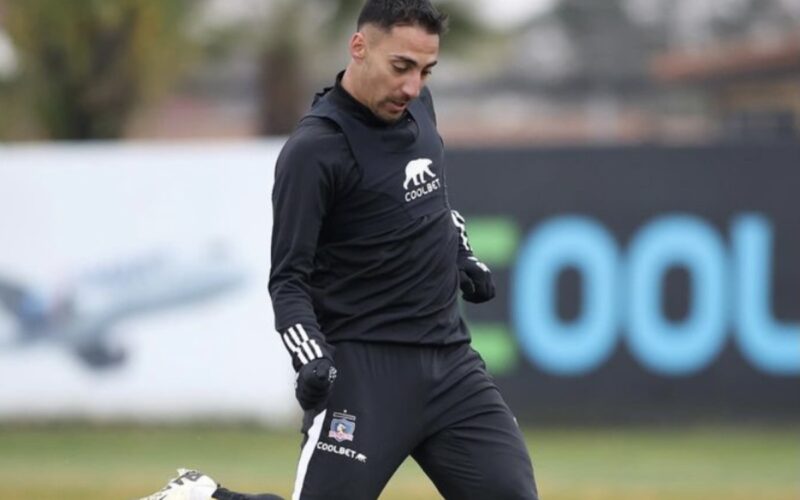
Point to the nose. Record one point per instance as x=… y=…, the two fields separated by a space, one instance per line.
x=412 y=86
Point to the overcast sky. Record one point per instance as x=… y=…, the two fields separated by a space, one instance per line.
x=497 y=12
x=510 y=12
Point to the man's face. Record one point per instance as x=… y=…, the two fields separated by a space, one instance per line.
x=394 y=67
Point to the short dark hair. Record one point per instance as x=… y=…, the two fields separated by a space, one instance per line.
x=389 y=13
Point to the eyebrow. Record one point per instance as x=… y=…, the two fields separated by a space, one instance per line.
x=412 y=62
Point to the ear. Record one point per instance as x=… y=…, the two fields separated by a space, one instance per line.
x=358 y=46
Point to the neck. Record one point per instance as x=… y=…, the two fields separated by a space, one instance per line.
x=349 y=84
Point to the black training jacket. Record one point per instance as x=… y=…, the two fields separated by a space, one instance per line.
x=364 y=244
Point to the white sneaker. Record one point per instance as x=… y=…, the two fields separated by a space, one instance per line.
x=189 y=485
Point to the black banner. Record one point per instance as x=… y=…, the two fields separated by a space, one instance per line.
x=638 y=283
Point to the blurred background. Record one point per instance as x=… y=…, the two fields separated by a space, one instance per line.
x=629 y=169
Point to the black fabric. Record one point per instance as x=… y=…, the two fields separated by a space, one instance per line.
x=434 y=403
x=363 y=246
x=365 y=263
x=477 y=285
x=313 y=383
x=226 y=494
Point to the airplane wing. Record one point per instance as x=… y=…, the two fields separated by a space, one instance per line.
x=25 y=306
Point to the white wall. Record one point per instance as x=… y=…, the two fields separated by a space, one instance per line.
x=71 y=210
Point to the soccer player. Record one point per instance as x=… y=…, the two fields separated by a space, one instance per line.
x=367 y=262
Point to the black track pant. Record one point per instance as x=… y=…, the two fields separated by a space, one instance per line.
x=226 y=494
x=436 y=404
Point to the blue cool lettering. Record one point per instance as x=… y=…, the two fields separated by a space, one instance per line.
x=729 y=288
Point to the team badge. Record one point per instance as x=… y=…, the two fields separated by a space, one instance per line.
x=343 y=426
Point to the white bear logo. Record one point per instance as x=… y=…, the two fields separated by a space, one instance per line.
x=416 y=170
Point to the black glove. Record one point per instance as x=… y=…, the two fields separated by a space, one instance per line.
x=314 y=382
x=476 y=280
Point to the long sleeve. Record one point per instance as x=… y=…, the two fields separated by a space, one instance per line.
x=354 y=259
x=301 y=197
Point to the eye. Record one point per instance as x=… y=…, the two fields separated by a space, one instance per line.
x=426 y=73
x=400 y=68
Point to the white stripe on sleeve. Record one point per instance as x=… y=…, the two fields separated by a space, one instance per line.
x=308 y=350
x=296 y=339
x=300 y=344
x=317 y=350
x=297 y=352
x=461 y=224
x=303 y=333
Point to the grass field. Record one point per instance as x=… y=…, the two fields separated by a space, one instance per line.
x=696 y=463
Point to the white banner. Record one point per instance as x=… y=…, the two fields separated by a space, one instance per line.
x=133 y=283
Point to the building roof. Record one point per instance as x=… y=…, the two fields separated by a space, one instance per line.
x=729 y=61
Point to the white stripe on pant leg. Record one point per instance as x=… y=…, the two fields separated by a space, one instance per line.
x=305 y=455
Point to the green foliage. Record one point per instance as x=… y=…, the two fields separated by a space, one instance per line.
x=87 y=64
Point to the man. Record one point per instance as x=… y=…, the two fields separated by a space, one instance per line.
x=367 y=261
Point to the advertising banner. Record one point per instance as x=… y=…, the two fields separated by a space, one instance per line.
x=133 y=283
x=638 y=283
x=634 y=284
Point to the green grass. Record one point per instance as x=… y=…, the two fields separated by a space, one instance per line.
x=696 y=463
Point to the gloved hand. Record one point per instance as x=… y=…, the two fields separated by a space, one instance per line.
x=476 y=280
x=313 y=383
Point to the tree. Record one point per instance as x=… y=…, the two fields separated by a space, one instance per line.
x=86 y=65
x=300 y=32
